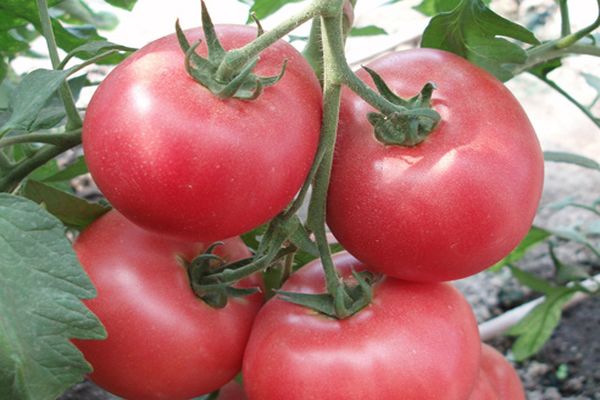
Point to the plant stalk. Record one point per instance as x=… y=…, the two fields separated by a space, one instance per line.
x=542 y=54
x=55 y=139
x=577 y=104
x=313 y=52
x=565 y=22
x=331 y=28
x=73 y=117
x=236 y=59
x=42 y=156
x=576 y=36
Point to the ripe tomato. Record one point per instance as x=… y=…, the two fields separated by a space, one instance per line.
x=174 y=158
x=232 y=391
x=497 y=380
x=455 y=203
x=414 y=341
x=483 y=389
x=163 y=342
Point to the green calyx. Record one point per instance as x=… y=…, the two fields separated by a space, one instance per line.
x=203 y=273
x=244 y=85
x=347 y=300
x=410 y=123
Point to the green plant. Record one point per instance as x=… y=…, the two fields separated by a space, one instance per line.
x=40 y=120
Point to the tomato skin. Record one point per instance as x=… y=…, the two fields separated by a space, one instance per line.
x=163 y=342
x=497 y=379
x=454 y=204
x=174 y=158
x=483 y=389
x=415 y=341
x=232 y=391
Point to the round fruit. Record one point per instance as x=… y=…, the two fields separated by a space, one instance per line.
x=176 y=159
x=497 y=380
x=414 y=341
x=163 y=342
x=452 y=205
x=232 y=391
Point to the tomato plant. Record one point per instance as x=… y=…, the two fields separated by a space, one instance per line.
x=452 y=205
x=497 y=379
x=423 y=164
x=411 y=336
x=206 y=168
x=163 y=342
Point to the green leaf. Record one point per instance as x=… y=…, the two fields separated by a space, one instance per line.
x=570 y=158
x=566 y=273
x=542 y=70
x=9 y=21
x=124 y=4
x=264 y=8
x=537 y=327
x=592 y=80
x=534 y=237
x=577 y=237
x=322 y=302
x=46 y=170
x=252 y=238
x=570 y=202
x=299 y=236
x=79 y=167
x=475 y=32
x=91 y=49
x=7 y=87
x=71 y=210
x=78 y=12
x=593 y=228
x=40 y=308
x=433 y=7
x=30 y=96
x=531 y=281
x=11 y=44
x=3 y=71
x=53 y=111
x=370 y=30
x=72 y=37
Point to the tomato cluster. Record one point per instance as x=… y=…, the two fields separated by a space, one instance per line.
x=183 y=166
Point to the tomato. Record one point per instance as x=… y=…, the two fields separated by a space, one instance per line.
x=483 y=389
x=163 y=342
x=452 y=205
x=414 y=341
x=497 y=380
x=232 y=391
x=174 y=158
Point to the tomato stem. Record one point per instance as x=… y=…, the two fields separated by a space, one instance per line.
x=343 y=305
x=569 y=43
x=565 y=23
x=42 y=156
x=312 y=52
x=330 y=27
x=236 y=59
x=73 y=118
x=57 y=139
x=576 y=36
